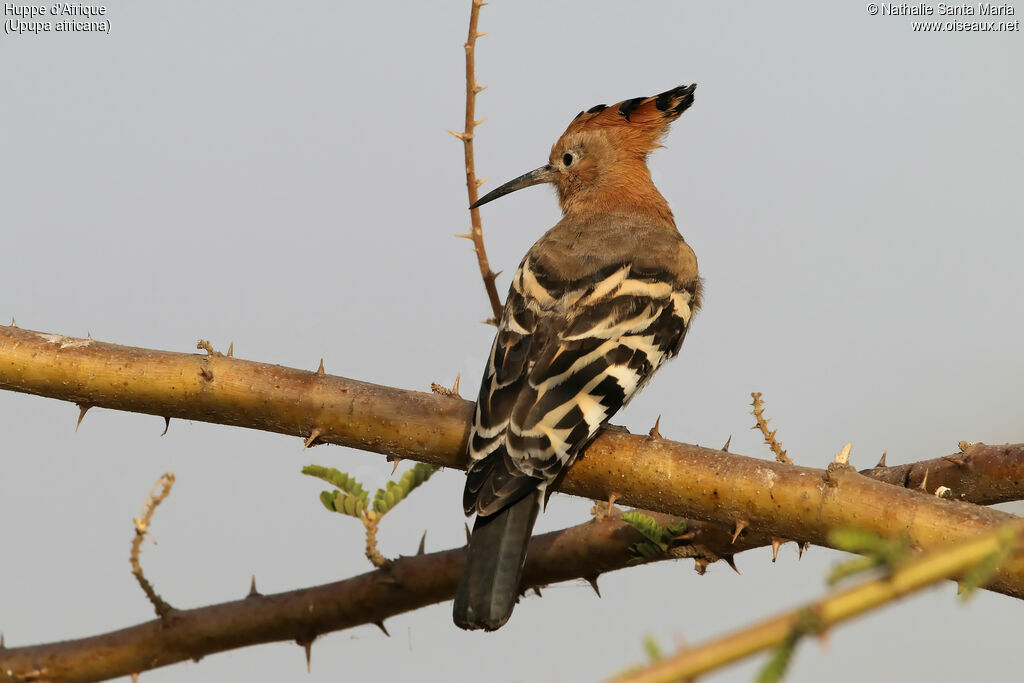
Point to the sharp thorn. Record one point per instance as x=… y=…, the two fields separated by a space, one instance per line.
x=843 y=456
x=654 y=433
x=252 y=588
x=82 y=410
x=924 y=482
x=776 y=544
x=465 y=236
x=135 y=677
x=881 y=461
x=592 y=580
x=801 y=547
x=167 y=425
x=308 y=647
x=422 y=550
x=536 y=589
x=461 y=136
x=395 y=468
x=477 y=123
x=2 y=646
x=469 y=534
x=960 y=587
x=728 y=441
x=611 y=503
x=730 y=560
x=481 y=34
x=231 y=350
x=740 y=526
x=14 y=323
x=313 y=437
x=479 y=89
x=481 y=182
x=380 y=625
x=320 y=370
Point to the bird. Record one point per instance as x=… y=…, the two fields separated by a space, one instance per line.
x=596 y=306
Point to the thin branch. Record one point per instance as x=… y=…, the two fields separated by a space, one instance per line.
x=915 y=574
x=762 y=424
x=410 y=582
x=472 y=184
x=153 y=500
x=775 y=499
x=981 y=473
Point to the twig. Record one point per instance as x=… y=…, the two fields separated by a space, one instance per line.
x=371 y=521
x=769 y=436
x=472 y=184
x=915 y=574
x=142 y=523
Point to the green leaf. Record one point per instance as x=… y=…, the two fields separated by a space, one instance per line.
x=658 y=537
x=343 y=481
x=645 y=525
x=394 y=492
x=677 y=529
x=981 y=573
x=327 y=498
x=653 y=649
x=775 y=668
x=849 y=568
x=877 y=552
x=415 y=476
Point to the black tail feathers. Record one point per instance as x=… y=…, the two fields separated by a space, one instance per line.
x=489 y=587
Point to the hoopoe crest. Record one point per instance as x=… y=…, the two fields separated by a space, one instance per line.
x=596 y=306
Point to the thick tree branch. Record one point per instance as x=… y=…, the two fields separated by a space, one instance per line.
x=776 y=499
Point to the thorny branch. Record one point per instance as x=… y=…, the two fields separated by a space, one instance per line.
x=142 y=523
x=584 y=551
x=775 y=499
x=476 y=233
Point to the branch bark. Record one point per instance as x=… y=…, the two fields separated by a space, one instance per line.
x=980 y=473
x=583 y=551
x=776 y=499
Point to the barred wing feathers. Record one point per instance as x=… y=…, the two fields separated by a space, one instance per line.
x=568 y=354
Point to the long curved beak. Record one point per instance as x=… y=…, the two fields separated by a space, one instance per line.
x=544 y=174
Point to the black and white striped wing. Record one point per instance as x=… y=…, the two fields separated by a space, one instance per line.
x=566 y=357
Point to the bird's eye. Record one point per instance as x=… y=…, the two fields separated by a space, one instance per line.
x=567 y=160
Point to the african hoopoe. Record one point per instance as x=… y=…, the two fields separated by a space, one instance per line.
x=597 y=305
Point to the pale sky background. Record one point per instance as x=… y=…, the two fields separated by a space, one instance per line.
x=278 y=175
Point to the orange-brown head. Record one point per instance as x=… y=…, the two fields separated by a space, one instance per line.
x=600 y=161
